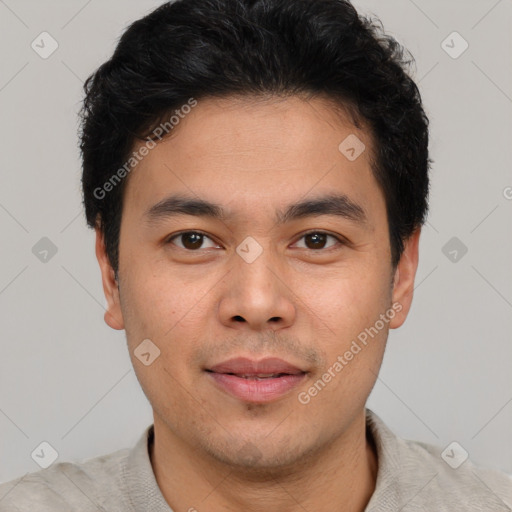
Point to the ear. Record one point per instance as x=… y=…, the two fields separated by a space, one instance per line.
x=403 y=285
x=113 y=313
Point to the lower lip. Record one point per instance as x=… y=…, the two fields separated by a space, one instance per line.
x=258 y=391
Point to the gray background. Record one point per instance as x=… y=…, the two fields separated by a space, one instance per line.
x=66 y=378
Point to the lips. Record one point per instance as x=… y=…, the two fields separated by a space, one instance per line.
x=256 y=381
x=265 y=368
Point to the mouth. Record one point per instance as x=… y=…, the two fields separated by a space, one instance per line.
x=256 y=381
x=257 y=376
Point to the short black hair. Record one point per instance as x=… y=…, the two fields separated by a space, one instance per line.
x=193 y=49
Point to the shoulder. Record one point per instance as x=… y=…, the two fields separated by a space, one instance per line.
x=452 y=479
x=87 y=485
x=416 y=476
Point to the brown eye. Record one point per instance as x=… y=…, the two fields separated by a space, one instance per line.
x=190 y=240
x=316 y=240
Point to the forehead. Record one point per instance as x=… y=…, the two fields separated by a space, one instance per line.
x=257 y=151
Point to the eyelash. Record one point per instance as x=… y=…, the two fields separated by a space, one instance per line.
x=341 y=241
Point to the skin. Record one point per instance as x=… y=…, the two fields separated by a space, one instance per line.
x=295 y=301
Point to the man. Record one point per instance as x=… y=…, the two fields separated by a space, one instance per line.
x=257 y=175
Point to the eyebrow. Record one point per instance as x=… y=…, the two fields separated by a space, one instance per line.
x=338 y=205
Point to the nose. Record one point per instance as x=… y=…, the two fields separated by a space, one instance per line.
x=257 y=296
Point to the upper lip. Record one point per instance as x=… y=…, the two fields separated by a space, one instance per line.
x=244 y=366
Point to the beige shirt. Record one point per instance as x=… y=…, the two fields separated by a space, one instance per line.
x=411 y=477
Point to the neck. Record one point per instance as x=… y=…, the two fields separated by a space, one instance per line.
x=340 y=476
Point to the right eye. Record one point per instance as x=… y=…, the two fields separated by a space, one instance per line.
x=191 y=240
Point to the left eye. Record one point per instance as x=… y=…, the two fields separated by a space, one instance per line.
x=316 y=240
x=193 y=240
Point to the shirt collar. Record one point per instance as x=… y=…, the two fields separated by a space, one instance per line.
x=143 y=492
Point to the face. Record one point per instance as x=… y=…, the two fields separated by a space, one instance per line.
x=259 y=279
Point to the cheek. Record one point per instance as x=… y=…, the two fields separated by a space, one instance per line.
x=348 y=300
x=354 y=347
x=154 y=297
x=167 y=310
x=168 y=316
